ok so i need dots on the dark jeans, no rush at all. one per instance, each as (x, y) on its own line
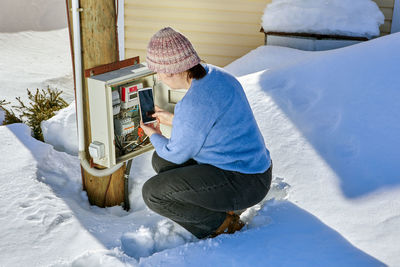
(197, 196)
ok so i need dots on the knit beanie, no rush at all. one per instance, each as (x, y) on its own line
(171, 52)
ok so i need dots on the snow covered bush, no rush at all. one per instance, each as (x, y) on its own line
(42, 106)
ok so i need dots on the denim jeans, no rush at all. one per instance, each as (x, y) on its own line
(197, 196)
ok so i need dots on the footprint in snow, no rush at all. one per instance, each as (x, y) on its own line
(257, 215)
(146, 241)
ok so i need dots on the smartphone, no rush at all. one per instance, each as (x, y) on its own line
(146, 104)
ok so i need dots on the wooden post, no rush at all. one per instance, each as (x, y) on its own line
(99, 47)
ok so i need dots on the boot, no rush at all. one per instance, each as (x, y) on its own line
(231, 224)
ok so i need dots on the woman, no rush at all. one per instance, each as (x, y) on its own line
(216, 161)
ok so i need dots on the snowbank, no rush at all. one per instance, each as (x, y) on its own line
(32, 15)
(360, 18)
(335, 139)
(61, 132)
(265, 58)
(345, 102)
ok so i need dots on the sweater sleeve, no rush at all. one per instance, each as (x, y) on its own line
(191, 125)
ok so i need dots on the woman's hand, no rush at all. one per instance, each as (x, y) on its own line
(163, 116)
(150, 128)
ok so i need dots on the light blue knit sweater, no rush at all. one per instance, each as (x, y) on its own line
(214, 124)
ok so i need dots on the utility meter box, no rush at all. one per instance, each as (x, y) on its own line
(114, 113)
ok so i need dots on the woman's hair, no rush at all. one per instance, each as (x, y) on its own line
(197, 72)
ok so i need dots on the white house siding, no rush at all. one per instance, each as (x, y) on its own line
(221, 31)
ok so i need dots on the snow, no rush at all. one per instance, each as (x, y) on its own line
(330, 120)
(266, 57)
(2, 115)
(336, 117)
(60, 130)
(34, 15)
(35, 60)
(359, 18)
(42, 203)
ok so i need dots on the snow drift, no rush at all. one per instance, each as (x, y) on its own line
(60, 130)
(360, 18)
(345, 102)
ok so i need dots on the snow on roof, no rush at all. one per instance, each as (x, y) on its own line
(359, 18)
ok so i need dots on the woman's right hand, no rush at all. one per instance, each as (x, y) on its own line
(163, 117)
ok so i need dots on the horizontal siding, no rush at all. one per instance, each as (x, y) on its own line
(193, 14)
(386, 6)
(192, 26)
(387, 12)
(199, 38)
(221, 31)
(385, 3)
(212, 5)
(223, 61)
(204, 48)
(385, 28)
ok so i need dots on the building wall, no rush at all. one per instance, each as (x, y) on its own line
(386, 7)
(220, 30)
(396, 17)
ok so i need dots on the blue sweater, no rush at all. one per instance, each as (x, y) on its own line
(214, 124)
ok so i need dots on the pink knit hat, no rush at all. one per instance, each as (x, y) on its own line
(171, 52)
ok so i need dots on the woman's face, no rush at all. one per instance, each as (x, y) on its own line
(174, 81)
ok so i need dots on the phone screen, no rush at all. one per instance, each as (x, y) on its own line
(146, 103)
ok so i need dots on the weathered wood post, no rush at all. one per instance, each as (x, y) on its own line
(99, 47)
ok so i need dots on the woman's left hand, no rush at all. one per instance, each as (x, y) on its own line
(151, 128)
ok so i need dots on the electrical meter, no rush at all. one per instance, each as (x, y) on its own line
(129, 95)
(114, 113)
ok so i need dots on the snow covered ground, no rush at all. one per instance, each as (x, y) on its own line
(32, 15)
(31, 60)
(330, 120)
